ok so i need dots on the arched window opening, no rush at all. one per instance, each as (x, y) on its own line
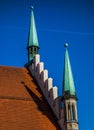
(73, 112)
(69, 112)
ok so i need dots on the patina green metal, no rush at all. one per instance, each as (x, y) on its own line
(32, 39)
(33, 45)
(68, 82)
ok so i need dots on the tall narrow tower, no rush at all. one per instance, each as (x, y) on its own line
(69, 95)
(33, 45)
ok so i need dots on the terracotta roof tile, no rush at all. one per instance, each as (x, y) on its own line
(22, 105)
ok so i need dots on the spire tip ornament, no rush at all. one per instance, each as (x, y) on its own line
(66, 45)
(32, 7)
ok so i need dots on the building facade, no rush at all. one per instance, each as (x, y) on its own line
(28, 99)
(66, 115)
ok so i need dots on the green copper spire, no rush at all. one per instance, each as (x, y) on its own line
(68, 82)
(33, 45)
(33, 39)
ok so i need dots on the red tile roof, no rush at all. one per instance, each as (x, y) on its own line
(22, 105)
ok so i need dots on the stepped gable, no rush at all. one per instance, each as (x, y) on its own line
(22, 105)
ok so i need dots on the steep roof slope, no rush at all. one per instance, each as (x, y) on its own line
(22, 105)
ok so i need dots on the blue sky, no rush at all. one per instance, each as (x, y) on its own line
(57, 22)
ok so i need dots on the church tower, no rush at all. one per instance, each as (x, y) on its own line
(33, 45)
(69, 96)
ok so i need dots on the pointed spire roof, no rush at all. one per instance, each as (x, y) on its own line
(68, 82)
(32, 38)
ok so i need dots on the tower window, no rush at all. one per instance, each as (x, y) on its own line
(73, 112)
(35, 50)
(69, 112)
(30, 50)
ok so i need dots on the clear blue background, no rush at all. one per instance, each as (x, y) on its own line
(57, 22)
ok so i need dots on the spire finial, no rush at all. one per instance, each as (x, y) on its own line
(31, 7)
(66, 45)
